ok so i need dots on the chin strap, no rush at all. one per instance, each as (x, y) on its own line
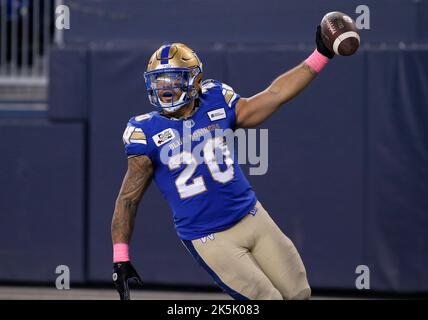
(195, 107)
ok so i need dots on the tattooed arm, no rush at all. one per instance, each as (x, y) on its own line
(135, 183)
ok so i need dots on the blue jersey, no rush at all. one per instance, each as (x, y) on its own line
(207, 193)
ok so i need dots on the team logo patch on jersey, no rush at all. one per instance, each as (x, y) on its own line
(217, 114)
(205, 239)
(253, 212)
(163, 137)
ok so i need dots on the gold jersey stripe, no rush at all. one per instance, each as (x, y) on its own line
(138, 136)
(228, 95)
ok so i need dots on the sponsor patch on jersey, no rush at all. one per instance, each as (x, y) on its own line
(143, 117)
(163, 137)
(217, 114)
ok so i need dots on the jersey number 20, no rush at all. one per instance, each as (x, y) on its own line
(197, 185)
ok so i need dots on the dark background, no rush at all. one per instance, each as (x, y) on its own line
(348, 158)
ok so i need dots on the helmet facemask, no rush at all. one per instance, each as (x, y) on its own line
(169, 89)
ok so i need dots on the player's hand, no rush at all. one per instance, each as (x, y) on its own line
(122, 273)
(321, 46)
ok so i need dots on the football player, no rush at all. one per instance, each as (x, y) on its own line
(216, 213)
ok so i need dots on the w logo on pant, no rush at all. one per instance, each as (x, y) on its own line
(204, 239)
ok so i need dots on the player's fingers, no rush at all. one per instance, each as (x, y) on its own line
(138, 280)
(134, 275)
(124, 293)
(122, 288)
(318, 34)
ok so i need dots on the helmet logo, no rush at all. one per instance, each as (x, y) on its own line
(163, 66)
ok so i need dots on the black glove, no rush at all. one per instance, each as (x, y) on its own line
(122, 272)
(321, 46)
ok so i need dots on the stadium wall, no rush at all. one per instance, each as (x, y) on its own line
(347, 178)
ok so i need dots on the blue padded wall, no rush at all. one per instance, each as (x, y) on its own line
(273, 21)
(41, 200)
(68, 69)
(397, 157)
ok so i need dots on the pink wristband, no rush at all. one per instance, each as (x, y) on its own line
(316, 61)
(120, 252)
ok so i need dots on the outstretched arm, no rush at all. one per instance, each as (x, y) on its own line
(135, 183)
(251, 112)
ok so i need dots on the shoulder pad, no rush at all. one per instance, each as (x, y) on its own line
(143, 117)
(228, 93)
(209, 84)
(134, 135)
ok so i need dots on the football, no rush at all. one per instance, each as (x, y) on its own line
(339, 33)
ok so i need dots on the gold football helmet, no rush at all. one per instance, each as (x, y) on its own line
(173, 77)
